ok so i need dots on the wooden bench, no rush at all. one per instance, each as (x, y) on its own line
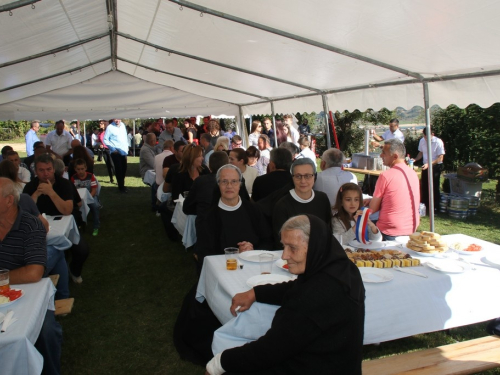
(54, 278)
(64, 306)
(466, 357)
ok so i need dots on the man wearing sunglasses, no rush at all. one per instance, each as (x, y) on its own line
(302, 199)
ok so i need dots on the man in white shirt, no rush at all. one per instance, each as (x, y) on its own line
(392, 132)
(437, 149)
(32, 137)
(171, 132)
(332, 176)
(58, 142)
(23, 174)
(305, 151)
(168, 149)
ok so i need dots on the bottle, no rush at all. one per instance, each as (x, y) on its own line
(407, 159)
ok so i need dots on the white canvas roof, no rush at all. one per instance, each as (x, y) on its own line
(106, 58)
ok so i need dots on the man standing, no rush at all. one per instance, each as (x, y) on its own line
(24, 253)
(170, 132)
(32, 137)
(268, 130)
(208, 148)
(302, 199)
(392, 133)
(116, 140)
(106, 154)
(332, 176)
(58, 143)
(147, 155)
(437, 149)
(396, 194)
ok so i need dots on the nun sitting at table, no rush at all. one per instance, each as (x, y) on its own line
(232, 221)
(319, 327)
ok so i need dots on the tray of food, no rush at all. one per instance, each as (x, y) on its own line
(427, 243)
(381, 259)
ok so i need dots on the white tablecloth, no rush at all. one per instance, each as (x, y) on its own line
(63, 233)
(185, 224)
(406, 306)
(17, 352)
(87, 199)
(150, 177)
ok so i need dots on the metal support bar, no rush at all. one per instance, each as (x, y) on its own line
(17, 4)
(54, 75)
(325, 110)
(84, 135)
(291, 83)
(192, 79)
(55, 50)
(274, 125)
(429, 156)
(113, 26)
(133, 137)
(242, 121)
(298, 38)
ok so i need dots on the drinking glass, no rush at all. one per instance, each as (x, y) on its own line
(266, 263)
(231, 258)
(4, 280)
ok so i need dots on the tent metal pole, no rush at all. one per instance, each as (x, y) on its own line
(17, 4)
(243, 127)
(325, 110)
(192, 79)
(53, 51)
(84, 135)
(133, 137)
(54, 75)
(274, 125)
(429, 156)
(257, 74)
(298, 38)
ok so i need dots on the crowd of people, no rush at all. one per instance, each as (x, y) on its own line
(268, 196)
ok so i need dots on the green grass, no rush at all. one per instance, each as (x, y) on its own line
(135, 280)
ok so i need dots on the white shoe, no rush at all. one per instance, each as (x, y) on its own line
(76, 280)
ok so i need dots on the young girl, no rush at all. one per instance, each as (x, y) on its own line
(348, 207)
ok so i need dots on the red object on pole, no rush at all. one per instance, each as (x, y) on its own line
(332, 124)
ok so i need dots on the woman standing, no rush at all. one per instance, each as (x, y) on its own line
(253, 138)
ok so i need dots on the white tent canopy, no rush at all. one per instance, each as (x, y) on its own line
(59, 59)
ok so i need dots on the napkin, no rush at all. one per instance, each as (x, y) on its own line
(8, 320)
(180, 199)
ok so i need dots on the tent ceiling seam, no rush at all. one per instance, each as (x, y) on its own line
(224, 101)
(149, 31)
(57, 74)
(297, 38)
(74, 30)
(191, 79)
(130, 37)
(53, 51)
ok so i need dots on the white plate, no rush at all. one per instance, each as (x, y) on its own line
(369, 246)
(493, 260)
(253, 255)
(375, 275)
(410, 251)
(280, 263)
(267, 279)
(403, 240)
(463, 252)
(11, 302)
(446, 266)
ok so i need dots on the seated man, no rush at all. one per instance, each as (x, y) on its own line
(147, 155)
(23, 174)
(38, 149)
(310, 334)
(302, 199)
(231, 220)
(54, 196)
(278, 176)
(332, 177)
(24, 253)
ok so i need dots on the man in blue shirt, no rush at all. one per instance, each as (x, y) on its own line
(32, 137)
(116, 140)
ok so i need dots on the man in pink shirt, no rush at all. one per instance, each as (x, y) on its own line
(397, 194)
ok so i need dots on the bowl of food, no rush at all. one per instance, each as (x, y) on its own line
(466, 248)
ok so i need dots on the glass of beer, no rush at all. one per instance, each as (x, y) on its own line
(4, 280)
(266, 263)
(231, 258)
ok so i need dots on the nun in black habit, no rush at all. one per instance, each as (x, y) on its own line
(319, 327)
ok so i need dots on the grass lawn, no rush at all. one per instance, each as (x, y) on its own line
(135, 280)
